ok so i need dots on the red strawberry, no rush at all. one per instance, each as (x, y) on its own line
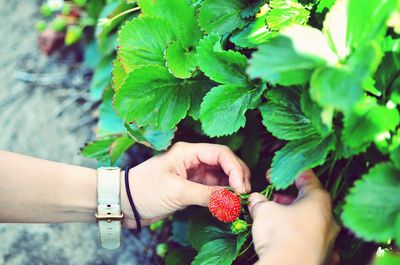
(225, 205)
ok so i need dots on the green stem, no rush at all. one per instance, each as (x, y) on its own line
(123, 14)
(246, 248)
(267, 192)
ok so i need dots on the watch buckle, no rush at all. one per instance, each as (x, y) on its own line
(109, 217)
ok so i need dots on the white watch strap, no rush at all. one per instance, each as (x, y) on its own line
(109, 214)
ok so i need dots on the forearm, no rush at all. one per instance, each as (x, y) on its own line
(35, 191)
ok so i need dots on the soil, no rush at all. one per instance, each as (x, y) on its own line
(45, 111)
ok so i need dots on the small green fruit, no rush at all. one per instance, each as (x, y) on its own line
(162, 249)
(45, 10)
(58, 24)
(157, 225)
(74, 34)
(66, 10)
(239, 226)
(41, 26)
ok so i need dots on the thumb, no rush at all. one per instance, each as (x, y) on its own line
(198, 194)
(255, 199)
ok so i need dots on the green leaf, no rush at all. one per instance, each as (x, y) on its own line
(283, 117)
(252, 35)
(150, 137)
(180, 232)
(118, 75)
(395, 157)
(373, 204)
(197, 92)
(320, 118)
(387, 76)
(224, 107)
(371, 23)
(368, 122)
(324, 5)
(250, 151)
(180, 17)
(204, 228)
(257, 32)
(290, 58)
(397, 230)
(181, 63)
(285, 13)
(221, 16)
(221, 251)
(225, 67)
(180, 256)
(119, 147)
(101, 78)
(108, 123)
(335, 28)
(347, 28)
(107, 151)
(143, 41)
(150, 95)
(298, 156)
(99, 150)
(365, 60)
(388, 259)
(334, 87)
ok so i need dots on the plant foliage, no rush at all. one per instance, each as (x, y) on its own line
(322, 77)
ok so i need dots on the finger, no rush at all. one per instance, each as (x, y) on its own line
(283, 198)
(197, 194)
(268, 174)
(222, 156)
(246, 175)
(335, 259)
(307, 182)
(255, 199)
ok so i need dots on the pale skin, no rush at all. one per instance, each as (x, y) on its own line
(40, 191)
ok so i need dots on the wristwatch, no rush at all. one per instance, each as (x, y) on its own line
(109, 215)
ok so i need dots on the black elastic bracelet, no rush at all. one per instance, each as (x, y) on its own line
(128, 192)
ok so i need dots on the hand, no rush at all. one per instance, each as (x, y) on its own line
(301, 232)
(185, 175)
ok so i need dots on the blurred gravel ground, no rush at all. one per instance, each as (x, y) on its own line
(46, 116)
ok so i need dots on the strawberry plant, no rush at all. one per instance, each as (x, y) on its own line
(287, 84)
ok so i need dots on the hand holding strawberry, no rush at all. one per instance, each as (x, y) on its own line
(185, 175)
(285, 227)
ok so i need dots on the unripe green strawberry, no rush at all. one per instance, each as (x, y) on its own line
(157, 225)
(58, 24)
(225, 205)
(41, 26)
(45, 10)
(74, 34)
(66, 10)
(239, 226)
(162, 249)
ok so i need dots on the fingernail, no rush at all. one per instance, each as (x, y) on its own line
(268, 175)
(255, 198)
(304, 177)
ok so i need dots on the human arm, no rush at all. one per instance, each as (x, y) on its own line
(302, 232)
(40, 191)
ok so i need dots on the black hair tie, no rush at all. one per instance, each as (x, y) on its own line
(128, 192)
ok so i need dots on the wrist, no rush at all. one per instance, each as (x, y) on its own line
(78, 200)
(125, 205)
